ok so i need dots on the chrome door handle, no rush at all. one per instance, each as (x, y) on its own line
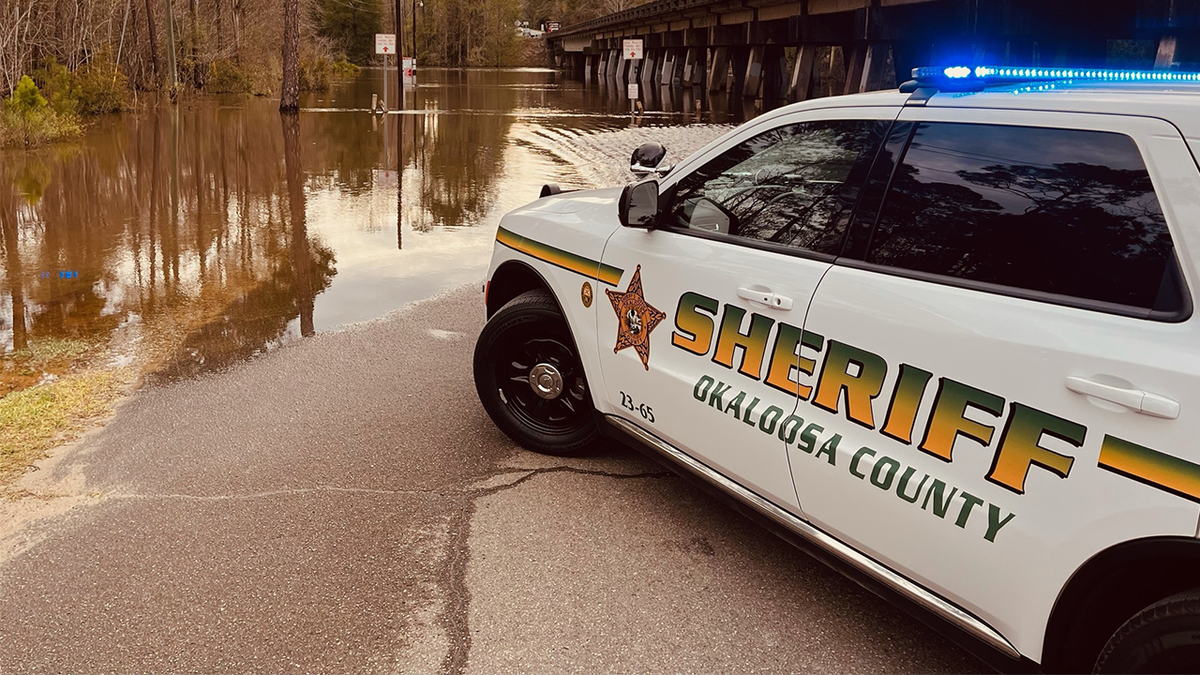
(764, 296)
(1134, 399)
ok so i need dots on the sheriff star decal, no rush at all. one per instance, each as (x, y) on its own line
(636, 318)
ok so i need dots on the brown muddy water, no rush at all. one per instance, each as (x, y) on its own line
(184, 238)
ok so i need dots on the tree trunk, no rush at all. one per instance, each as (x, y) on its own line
(197, 68)
(173, 72)
(237, 31)
(153, 37)
(220, 29)
(289, 99)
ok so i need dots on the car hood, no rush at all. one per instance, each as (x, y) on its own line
(577, 201)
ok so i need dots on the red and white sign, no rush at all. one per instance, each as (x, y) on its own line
(632, 49)
(385, 43)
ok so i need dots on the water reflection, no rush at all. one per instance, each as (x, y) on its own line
(189, 237)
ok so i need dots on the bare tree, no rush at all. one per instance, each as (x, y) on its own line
(173, 75)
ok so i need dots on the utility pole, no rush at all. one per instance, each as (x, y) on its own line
(400, 51)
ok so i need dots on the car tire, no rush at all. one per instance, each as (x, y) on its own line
(548, 411)
(1162, 638)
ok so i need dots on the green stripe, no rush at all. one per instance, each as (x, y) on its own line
(1163, 471)
(560, 258)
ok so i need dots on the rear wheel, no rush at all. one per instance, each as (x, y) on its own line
(530, 379)
(1163, 638)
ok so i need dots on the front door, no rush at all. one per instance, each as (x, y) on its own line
(702, 344)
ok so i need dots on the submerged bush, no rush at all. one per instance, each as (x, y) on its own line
(227, 77)
(314, 74)
(96, 88)
(343, 68)
(102, 87)
(59, 86)
(27, 118)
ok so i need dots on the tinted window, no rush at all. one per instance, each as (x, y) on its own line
(787, 186)
(1052, 210)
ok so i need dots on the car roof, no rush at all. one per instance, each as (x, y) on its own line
(1175, 102)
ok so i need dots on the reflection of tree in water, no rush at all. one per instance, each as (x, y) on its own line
(177, 225)
(1071, 228)
(449, 161)
(460, 155)
(251, 323)
(178, 220)
(461, 160)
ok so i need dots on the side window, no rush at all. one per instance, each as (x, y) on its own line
(1066, 212)
(790, 186)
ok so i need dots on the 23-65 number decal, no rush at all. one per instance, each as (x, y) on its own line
(642, 409)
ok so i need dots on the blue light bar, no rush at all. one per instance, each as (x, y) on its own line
(1003, 74)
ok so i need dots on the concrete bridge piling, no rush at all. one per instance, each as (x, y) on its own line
(789, 50)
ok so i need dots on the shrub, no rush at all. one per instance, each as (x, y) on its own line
(343, 68)
(97, 88)
(26, 99)
(59, 85)
(265, 76)
(314, 74)
(102, 87)
(27, 118)
(227, 77)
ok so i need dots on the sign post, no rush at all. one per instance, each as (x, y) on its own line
(632, 51)
(385, 43)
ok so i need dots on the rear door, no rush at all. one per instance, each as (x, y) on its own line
(1009, 373)
(701, 342)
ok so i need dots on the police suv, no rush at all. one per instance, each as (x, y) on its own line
(942, 337)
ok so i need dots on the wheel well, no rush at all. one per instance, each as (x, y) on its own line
(510, 280)
(1108, 590)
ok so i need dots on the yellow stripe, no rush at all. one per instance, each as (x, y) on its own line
(1152, 467)
(560, 258)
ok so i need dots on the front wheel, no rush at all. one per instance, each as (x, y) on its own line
(530, 379)
(1163, 638)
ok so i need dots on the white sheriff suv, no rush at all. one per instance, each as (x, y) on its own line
(942, 338)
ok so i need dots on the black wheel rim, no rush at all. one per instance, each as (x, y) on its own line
(563, 413)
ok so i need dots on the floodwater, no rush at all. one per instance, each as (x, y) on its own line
(184, 238)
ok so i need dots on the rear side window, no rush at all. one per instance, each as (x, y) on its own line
(1058, 211)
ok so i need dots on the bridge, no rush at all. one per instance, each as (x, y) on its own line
(798, 49)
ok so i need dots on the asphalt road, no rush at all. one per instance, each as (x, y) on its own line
(345, 505)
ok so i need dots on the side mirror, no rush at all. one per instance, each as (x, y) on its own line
(638, 206)
(646, 160)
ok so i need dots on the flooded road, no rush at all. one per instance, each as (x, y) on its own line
(186, 238)
(346, 505)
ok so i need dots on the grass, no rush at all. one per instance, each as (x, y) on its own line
(47, 351)
(35, 420)
(24, 368)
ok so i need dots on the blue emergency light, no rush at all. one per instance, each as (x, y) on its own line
(979, 76)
